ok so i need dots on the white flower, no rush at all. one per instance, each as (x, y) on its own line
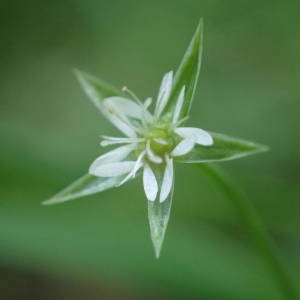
(152, 141)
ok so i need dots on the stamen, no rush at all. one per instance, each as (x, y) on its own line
(132, 94)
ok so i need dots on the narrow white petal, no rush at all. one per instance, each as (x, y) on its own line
(167, 180)
(139, 163)
(150, 183)
(125, 107)
(178, 106)
(137, 166)
(122, 125)
(184, 147)
(152, 156)
(199, 136)
(147, 115)
(164, 93)
(161, 141)
(118, 138)
(147, 102)
(112, 156)
(113, 169)
(110, 140)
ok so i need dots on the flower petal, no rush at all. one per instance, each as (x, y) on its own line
(137, 166)
(197, 135)
(160, 141)
(152, 156)
(167, 182)
(113, 169)
(178, 106)
(111, 140)
(164, 93)
(126, 107)
(112, 156)
(150, 183)
(123, 126)
(184, 147)
(146, 114)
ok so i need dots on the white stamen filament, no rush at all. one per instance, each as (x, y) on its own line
(132, 94)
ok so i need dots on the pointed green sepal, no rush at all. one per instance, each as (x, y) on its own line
(187, 74)
(84, 186)
(224, 148)
(96, 89)
(158, 215)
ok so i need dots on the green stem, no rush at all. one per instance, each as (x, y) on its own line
(257, 230)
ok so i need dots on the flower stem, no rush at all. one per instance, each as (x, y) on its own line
(256, 229)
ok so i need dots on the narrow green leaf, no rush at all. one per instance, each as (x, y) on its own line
(84, 186)
(223, 148)
(158, 215)
(96, 89)
(188, 73)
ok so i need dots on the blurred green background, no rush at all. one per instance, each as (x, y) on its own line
(99, 247)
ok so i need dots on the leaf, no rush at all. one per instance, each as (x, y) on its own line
(84, 186)
(224, 148)
(96, 89)
(187, 73)
(158, 215)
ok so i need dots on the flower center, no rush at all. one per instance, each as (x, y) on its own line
(161, 141)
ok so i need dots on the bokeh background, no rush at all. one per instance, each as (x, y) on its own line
(99, 247)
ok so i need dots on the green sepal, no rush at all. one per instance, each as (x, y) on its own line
(224, 148)
(158, 216)
(84, 186)
(187, 74)
(96, 89)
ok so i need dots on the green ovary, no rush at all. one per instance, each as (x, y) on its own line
(161, 141)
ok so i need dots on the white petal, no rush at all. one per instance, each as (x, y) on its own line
(167, 182)
(112, 156)
(199, 136)
(164, 93)
(137, 166)
(113, 169)
(147, 102)
(147, 115)
(184, 147)
(150, 183)
(110, 140)
(161, 141)
(138, 163)
(125, 107)
(178, 106)
(122, 125)
(152, 156)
